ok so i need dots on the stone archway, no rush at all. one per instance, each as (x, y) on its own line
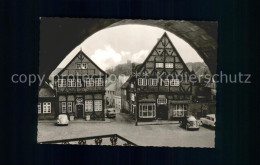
(61, 35)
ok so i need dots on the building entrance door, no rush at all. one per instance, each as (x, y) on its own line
(162, 112)
(80, 111)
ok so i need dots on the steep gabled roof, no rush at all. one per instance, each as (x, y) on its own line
(155, 46)
(45, 91)
(82, 53)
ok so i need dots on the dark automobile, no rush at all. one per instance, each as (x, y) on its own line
(190, 123)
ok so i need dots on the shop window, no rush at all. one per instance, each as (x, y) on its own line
(178, 110)
(88, 105)
(147, 110)
(69, 107)
(98, 105)
(46, 107)
(63, 107)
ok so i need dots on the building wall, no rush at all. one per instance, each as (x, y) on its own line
(54, 108)
(92, 97)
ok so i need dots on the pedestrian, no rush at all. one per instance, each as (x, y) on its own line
(68, 115)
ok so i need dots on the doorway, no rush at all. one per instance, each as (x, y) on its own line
(162, 112)
(80, 111)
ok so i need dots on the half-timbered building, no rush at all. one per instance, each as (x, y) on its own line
(80, 88)
(160, 87)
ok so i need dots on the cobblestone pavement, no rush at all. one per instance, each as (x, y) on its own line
(147, 135)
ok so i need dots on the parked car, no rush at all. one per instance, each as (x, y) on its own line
(190, 122)
(63, 119)
(209, 120)
(111, 112)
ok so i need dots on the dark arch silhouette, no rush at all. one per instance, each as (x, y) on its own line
(59, 36)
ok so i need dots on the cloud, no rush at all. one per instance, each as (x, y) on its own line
(106, 58)
(140, 56)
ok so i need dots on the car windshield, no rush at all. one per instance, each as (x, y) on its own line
(193, 122)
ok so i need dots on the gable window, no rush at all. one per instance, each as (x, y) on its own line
(63, 107)
(88, 105)
(61, 82)
(147, 110)
(89, 82)
(159, 65)
(46, 107)
(98, 105)
(84, 66)
(174, 82)
(162, 101)
(71, 83)
(153, 82)
(168, 65)
(99, 82)
(39, 107)
(142, 81)
(78, 65)
(69, 106)
(79, 83)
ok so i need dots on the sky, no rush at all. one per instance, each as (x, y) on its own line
(115, 45)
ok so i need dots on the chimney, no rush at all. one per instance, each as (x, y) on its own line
(133, 68)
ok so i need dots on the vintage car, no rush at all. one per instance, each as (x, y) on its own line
(62, 119)
(189, 122)
(209, 120)
(111, 113)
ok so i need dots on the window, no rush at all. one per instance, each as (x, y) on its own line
(99, 82)
(168, 65)
(63, 107)
(39, 108)
(153, 82)
(166, 82)
(175, 82)
(79, 83)
(179, 109)
(89, 82)
(162, 101)
(61, 82)
(124, 92)
(98, 105)
(46, 107)
(88, 105)
(71, 83)
(147, 110)
(78, 65)
(69, 106)
(159, 65)
(142, 81)
(84, 66)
